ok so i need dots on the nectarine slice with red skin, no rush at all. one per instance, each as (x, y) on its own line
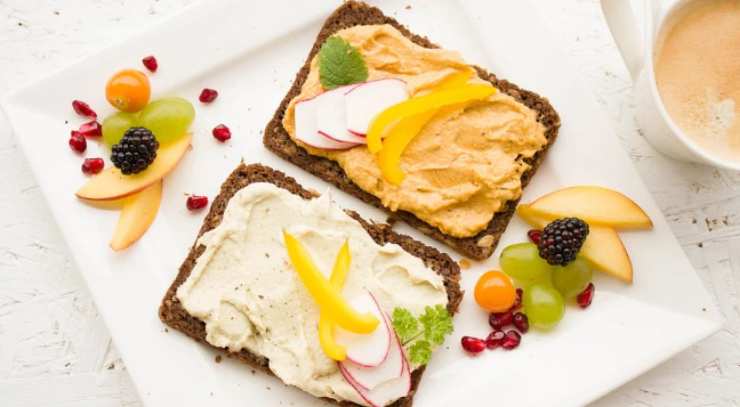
(137, 214)
(111, 184)
(603, 247)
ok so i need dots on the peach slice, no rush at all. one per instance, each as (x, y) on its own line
(596, 205)
(603, 247)
(112, 184)
(137, 214)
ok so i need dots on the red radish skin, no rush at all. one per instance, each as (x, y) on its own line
(374, 397)
(368, 99)
(357, 344)
(306, 128)
(331, 115)
(391, 368)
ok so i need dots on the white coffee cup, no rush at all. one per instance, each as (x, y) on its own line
(639, 54)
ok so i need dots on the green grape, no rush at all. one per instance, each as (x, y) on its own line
(115, 125)
(543, 305)
(523, 263)
(572, 279)
(167, 118)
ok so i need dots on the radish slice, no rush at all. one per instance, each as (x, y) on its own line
(306, 127)
(365, 101)
(386, 392)
(371, 377)
(331, 116)
(371, 349)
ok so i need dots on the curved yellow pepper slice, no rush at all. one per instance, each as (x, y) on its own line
(326, 326)
(326, 296)
(416, 105)
(389, 157)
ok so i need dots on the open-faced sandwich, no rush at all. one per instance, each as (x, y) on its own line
(404, 125)
(286, 281)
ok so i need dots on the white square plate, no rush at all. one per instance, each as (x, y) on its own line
(250, 52)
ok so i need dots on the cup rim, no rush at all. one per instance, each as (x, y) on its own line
(653, 35)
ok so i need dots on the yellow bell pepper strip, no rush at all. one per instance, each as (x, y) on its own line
(339, 272)
(326, 296)
(389, 157)
(416, 105)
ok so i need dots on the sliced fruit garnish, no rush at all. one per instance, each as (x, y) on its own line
(112, 184)
(137, 214)
(603, 247)
(326, 326)
(422, 104)
(596, 205)
(327, 297)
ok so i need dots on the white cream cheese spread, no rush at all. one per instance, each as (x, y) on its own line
(246, 291)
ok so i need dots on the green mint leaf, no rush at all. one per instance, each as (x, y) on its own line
(340, 64)
(420, 352)
(405, 324)
(437, 323)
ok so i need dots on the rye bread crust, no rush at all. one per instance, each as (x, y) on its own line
(175, 316)
(276, 139)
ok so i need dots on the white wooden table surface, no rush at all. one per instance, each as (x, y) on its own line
(55, 349)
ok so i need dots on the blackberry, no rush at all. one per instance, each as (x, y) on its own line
(561, 240)
(136, 150)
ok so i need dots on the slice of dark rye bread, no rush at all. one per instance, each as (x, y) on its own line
(175, 316)
(276, 139)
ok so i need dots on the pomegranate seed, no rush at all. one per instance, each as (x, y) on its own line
(511, 340)
(521, 322)
(518, 301)
(150, 63)
(83, 109)
(584, 298)
(196, 202)
(221, 133)
(92, 165)
(77, 142)
(534, 235)
(473, 345)
(91, 129)
(494, 339)
(498, 320)
(208, 95)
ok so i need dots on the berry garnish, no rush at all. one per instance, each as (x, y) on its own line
(499, 320)
(584, 299)
(221, 133)
(150, 63)
(494, 339)
(494, 291)
(92, 165)
(511, 340)
(136, 150)
(472, 345)
(91, 129)
(128, 90)
(208, 95)
(534, 235)
(561, 240)
(77, 142)
(83, 109)
(196, 202)
(521, 322)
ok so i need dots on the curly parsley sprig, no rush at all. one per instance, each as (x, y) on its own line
(428, 330)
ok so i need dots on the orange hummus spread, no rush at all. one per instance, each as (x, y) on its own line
(464, 165)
